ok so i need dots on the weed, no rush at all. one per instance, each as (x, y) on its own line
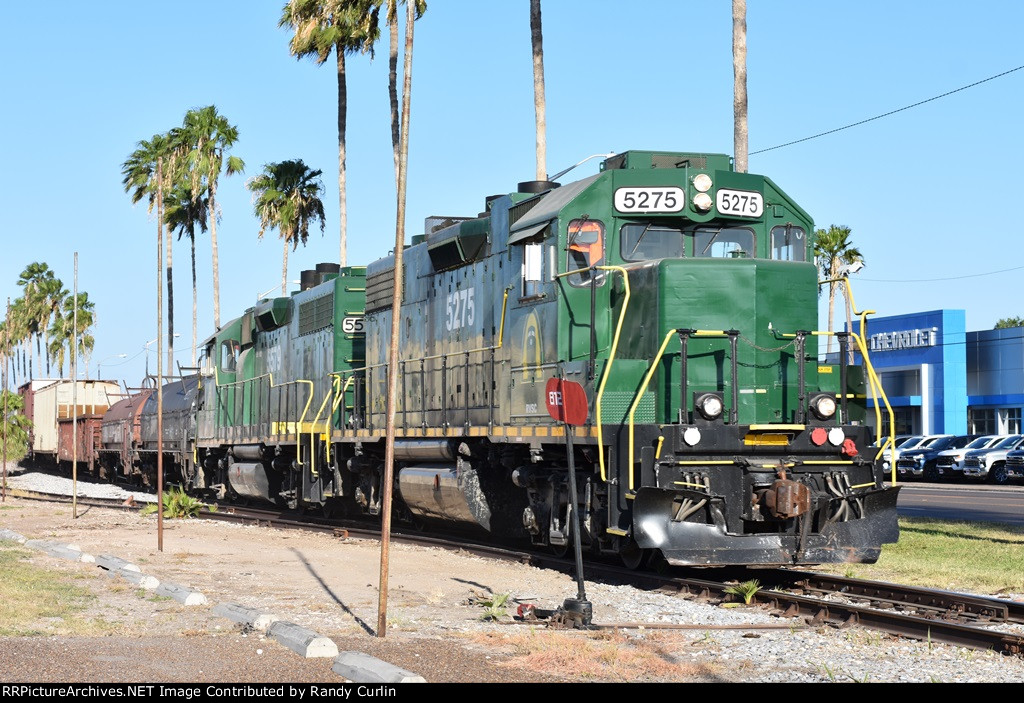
(495, 606)
(828, 672)
(864, 679)
(178, 504)
(932, 678)
(746, 590)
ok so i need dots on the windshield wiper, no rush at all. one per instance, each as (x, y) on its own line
(713, 238)
(640, 238)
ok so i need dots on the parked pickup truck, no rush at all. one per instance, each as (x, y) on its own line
(990, 463)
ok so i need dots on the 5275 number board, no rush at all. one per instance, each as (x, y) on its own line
(649, 199)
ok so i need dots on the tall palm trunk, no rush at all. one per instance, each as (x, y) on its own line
(342, 119)
(170, 305)
(284, 270)
(195, 300)
(393, 80)
(539, 104)
(213, 245)
(739, 77)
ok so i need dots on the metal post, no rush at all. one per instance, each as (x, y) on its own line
(74, 399)
(159, 364)
(6, 419)
(580, 604)
(396, 303)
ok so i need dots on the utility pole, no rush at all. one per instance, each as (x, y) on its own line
(396, 331)
(739, 83)
(74, 400)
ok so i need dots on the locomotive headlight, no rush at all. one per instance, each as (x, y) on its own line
(709, 405)
(702, 202)
(702, 182)
(823, 406)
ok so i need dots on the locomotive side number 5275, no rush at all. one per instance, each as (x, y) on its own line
(460, 309)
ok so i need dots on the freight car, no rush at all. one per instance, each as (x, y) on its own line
(50, 405)
(682, 296)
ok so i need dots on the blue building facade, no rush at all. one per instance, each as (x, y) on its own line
(941, 379)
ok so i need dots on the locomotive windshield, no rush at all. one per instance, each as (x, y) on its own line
(643, 242)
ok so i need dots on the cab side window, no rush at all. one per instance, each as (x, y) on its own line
(585, 250)
(229, 356)
(788, 243)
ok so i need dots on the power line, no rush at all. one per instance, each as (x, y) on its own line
(891, 112)
(943, 278)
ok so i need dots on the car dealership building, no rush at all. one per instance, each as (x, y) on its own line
(942, 379)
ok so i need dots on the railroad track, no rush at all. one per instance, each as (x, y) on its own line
(822, 599)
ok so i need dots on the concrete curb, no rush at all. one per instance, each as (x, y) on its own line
(302, 641)
(138, 579)
(185, 596)
(362, 668)
(112, 563)
(12, 536)
(248, 616)
(71, 552)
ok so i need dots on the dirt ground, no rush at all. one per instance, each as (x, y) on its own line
(325, 583)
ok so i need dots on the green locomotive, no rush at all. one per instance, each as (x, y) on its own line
(681, 294)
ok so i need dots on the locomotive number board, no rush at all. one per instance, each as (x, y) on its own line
(665, 199)
(743, 203)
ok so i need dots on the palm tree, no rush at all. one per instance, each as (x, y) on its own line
(739, 83)
(205, 137)
(344, 27)
(157, 157)
(833, 250)
(20, 335)
(286, 197)
(539, 105)
(184, 212)
(63, 334)
(54, 292)
(33, 280)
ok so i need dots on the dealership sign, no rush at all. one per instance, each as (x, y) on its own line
(904, 339)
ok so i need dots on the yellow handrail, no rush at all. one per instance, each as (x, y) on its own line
(608, 367)
(640, 395)
(873, 380)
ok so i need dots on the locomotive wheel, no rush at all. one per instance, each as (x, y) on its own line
(632, 555)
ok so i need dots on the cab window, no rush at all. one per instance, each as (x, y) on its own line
(788, 243)
(585, 250)
(646, 241)
(229, 356)
(723, 242)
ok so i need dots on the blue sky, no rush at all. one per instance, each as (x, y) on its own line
(930, 193)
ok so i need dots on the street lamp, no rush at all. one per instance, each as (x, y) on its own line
(153, 341)
(99, 364)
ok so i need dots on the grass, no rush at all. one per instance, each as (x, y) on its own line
(978, 558)
(38, 601)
